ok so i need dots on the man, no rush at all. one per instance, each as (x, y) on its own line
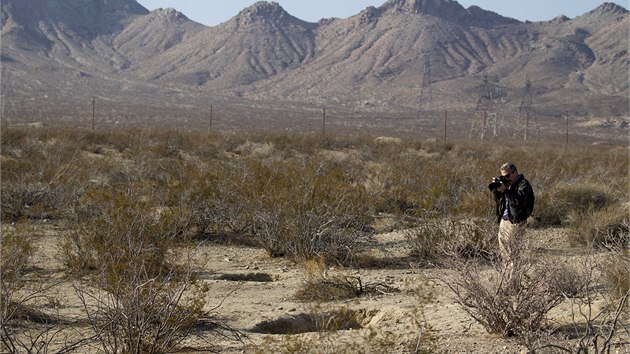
(515, 203)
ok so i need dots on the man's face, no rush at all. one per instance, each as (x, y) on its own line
(511, 176)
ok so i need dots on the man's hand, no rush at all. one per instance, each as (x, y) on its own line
(501, 188)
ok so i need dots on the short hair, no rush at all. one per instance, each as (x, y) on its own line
(508, 166)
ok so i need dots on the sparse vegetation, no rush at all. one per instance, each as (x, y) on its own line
(513, 300)
(126, 206)
(322, 284)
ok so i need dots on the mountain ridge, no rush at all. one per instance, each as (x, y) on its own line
(376, 56)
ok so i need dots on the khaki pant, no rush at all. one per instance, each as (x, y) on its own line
(512, 242)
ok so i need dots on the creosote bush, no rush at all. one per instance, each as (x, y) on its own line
(144, 296)
(434, 240)
(513, 299)
(121, 227)
(16, 249)
(305, 210)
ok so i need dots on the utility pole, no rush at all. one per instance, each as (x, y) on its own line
(93, 113)
(324, 122)
(445, 119)
(566, 113)
(2, 109)
(210, 123)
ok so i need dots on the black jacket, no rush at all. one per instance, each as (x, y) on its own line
(520, 201)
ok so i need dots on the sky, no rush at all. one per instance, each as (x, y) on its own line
(214, 12)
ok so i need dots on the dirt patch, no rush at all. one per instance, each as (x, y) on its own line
(256, 296)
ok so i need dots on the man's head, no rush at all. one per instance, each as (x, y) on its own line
(509, 170)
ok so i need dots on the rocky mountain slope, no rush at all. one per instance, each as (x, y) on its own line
(378, 58)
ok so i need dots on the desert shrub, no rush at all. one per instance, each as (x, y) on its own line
(512, 306)
(599, 311)
(426, 237)
(23, 328)
(433, 240)
(600, 227)
(119, 227)
(617, 274)
(22, 199)
(143, 296)
(17, 249)
(214, 199)
(555, 206)
(133, 312)
(407, 185)
(40, 179)
(305, 210)
(616, 266)
(513, 299)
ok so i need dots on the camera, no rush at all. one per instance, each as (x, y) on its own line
(497, 182)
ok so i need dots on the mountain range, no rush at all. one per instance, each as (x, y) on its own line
(403, 55)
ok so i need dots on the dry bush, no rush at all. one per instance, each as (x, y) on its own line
(513, 299)
(38, 176)
(139, 298)
(133, 309)
(23, 327)
(322, 284)
(616, 265)
(214, 199)
(305, 210)
(609, 225)
(598, 314)
(564, 200)
(16, 252)
(434, 240)
(116, 227)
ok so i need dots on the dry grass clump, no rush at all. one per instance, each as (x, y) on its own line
(568, 199)
(609, 225)
(322, 284)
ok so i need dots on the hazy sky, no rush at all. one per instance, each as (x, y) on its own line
(213, 12)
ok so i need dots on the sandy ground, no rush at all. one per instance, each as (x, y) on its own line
(248, 288)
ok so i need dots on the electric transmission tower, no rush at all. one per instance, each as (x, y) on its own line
(426, 92)
(485, 114)
(526, 107)
(6, 97)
